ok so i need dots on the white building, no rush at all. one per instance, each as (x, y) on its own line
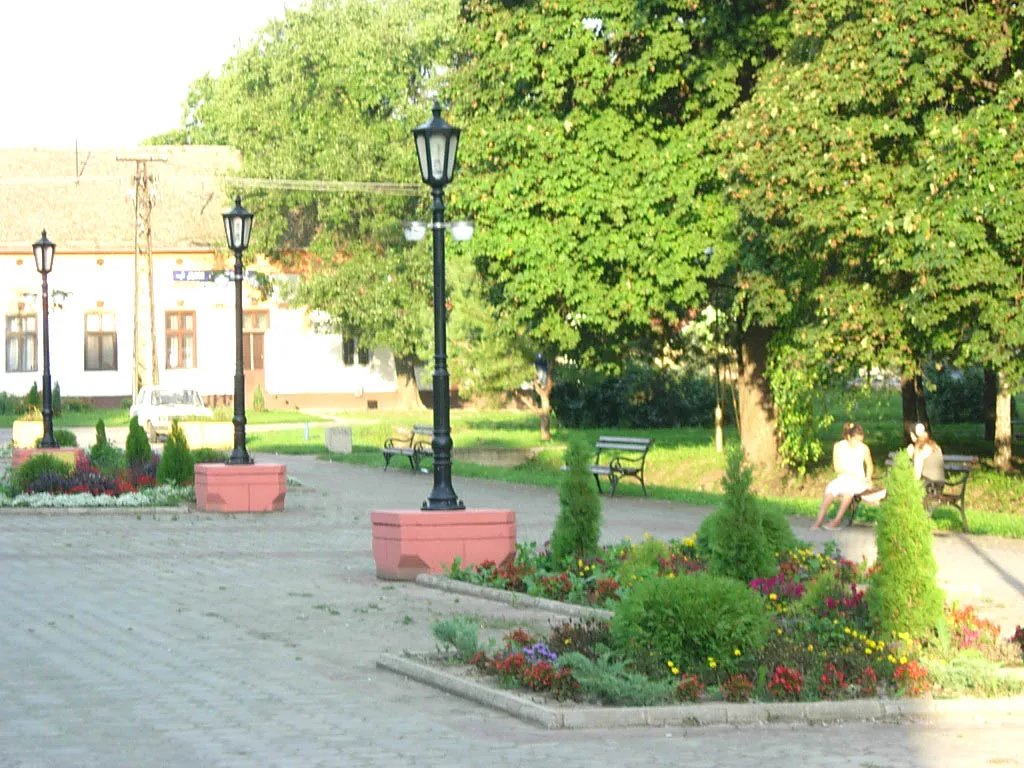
(85, 203)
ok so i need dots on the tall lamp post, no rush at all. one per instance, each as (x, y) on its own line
(43, 251)
(238, 226)
(436, 145)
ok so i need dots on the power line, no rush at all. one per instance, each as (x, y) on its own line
(307, 185)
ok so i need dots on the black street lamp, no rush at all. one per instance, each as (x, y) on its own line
(238, 226)
(43, 251)
(436, 144)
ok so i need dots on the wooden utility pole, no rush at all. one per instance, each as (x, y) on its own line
(146, 371)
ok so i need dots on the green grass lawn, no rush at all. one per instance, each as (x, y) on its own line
(683, 465)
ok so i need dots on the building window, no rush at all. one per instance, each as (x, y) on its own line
(100, 341)
(21, 343)
(254, 324)
(180, 328)
(351, 352)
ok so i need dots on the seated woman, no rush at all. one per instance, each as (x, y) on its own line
(851, 460)
(927, 456)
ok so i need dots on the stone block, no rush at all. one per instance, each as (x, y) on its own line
(338, 438)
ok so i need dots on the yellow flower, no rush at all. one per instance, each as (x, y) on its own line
(568, 641)
(903, 659)
(778, 631)
(810, 647)
(868, 651)
(892, 659)
(773, 596)
(736, 652)
(670, 664)
(647, 535)
(846, 630)
(712, 664)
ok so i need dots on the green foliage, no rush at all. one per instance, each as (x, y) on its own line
(777, 530)
(798, 383)
(55, 401)
(176, 463)
(737, 545)
(208, 456)
(970, 674)
(642, 560)
(33, 400)
(611, 682)
(65, 438)
(642, 395)
(136, 448)
(259, 403)
(29, 472)
(957, 397)
(904, 594)
(578, 525)
(461, 633)
(105, 457)
(688, 619)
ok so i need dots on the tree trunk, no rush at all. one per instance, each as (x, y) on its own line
(915, 410)
(1003, 452)
(544, 392)
(407, 396)
(756, 419)
(991, 387)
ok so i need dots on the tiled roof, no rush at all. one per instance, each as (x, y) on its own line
(87, 203)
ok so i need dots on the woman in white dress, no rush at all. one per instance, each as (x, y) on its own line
(851, 460)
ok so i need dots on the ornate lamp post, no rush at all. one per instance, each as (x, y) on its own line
(436, 145)
(238, 226)
(43, 251)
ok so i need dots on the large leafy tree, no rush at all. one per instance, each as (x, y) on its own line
(843, 188)
(330, 93)
(588, 165)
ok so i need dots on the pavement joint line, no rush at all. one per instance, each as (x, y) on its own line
(954, 711)
(513, 599)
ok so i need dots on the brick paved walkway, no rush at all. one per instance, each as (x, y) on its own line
(200, 640)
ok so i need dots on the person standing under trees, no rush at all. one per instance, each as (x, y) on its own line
(927, 455)
(851, 460)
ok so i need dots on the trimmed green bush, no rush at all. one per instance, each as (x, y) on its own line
(136, 448)
(688, 619)
(40, 464)
(65, 438)
(737, 544)
(904, 594)
(259, 403)
(101, 434)
(176, 464)
(578, 526)
(208, 456)
(55, 401)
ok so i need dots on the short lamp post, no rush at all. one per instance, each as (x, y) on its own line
(238, 226)
(43, 251)
(436, 145)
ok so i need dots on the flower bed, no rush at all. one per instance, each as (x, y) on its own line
(819, 642)
(158, 496)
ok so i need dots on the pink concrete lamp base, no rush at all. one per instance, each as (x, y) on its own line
(69, 455)
(240, 487)
(407, 543)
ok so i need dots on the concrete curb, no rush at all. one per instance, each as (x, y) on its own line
(514, 599)
(68, 511)
(959, 711)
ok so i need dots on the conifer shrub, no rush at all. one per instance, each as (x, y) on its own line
(108, 459)
(137, 452)
(610, 681)
(736, 542)
(689, 619)
(904, 594)
(55, 402)
(33, 401)
(778, 531)
(40, 464)
(578, 525)
(176, 464)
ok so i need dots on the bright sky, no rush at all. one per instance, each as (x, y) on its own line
(110, 73)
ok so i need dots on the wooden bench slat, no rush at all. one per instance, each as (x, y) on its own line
(413, 444)
(626, 457)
